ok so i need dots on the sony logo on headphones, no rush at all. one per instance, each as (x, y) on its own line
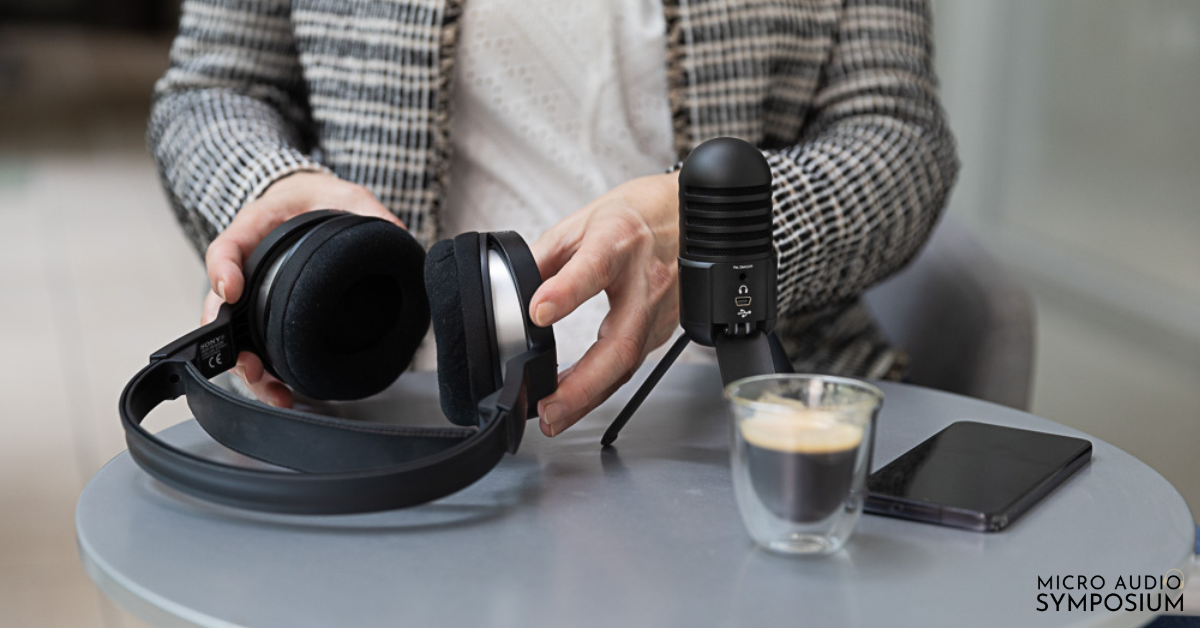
(212, 345)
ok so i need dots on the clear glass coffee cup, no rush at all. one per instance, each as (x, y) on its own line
(801, 451)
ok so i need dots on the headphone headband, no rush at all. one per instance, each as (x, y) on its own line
(396, 466)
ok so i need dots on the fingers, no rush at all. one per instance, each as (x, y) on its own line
(379, 211)
(272, 392)
(269, 390)
(605, 366)
(608, 364)
(287, 198)
(634, 327)
(618, 254)
(602, 256)
(212, 303)
(229, 251)
(224, 263)
(250, 367)
(554, 429)
(360, 201)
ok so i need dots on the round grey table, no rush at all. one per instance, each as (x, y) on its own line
(645, 534)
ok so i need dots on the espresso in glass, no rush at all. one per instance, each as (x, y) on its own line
(800, 453)
(801, 466)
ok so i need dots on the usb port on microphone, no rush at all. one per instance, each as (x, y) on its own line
(741, 301)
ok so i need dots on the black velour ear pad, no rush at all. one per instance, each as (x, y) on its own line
(466, 366)
(348, 309)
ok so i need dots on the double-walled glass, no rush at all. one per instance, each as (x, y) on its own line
(801, 451)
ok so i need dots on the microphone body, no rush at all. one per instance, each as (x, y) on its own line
(727, 267)
(727, 280)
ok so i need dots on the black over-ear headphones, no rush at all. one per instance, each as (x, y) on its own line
(335, 307)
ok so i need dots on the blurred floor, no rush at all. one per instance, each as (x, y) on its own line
(97, 274)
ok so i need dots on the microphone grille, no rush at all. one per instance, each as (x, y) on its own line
(724, 223)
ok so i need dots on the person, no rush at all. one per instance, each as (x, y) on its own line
(566, 121)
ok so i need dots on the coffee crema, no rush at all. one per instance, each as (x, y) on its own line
(801, 461)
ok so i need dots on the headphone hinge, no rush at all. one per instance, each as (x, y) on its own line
(212, 349)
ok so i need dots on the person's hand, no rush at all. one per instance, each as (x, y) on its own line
(286, 198)
(624, 243)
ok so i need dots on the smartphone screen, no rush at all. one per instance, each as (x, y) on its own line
(975, 475)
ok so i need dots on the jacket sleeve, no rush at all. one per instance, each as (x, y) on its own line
(229, 117)
(859, 194)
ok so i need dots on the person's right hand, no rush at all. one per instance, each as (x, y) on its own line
(286, 198)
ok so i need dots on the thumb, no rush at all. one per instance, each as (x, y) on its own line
(212, 303)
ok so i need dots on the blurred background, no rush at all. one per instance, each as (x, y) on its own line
(1081, 173)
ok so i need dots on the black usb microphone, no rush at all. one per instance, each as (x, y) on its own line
(727, 281)
(726, 260)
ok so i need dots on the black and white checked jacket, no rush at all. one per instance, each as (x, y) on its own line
(839, 95)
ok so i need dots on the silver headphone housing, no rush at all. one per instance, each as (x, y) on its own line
(509, 320)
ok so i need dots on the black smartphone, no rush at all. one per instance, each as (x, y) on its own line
(975, 475)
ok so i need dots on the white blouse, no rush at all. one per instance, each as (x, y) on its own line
(555, 103)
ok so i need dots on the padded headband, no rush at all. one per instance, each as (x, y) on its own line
(417, 464)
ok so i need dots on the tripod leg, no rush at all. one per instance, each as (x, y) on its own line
(779, 356)
(643, 391)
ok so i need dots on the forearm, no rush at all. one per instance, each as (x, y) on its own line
(216, 151)
(228, 118)
(858, 196)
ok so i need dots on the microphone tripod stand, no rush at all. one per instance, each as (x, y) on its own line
(757, 353)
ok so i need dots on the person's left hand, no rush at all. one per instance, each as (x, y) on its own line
(624, 243)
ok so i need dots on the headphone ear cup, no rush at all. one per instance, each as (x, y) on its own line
(466, 362)
(347, 310)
